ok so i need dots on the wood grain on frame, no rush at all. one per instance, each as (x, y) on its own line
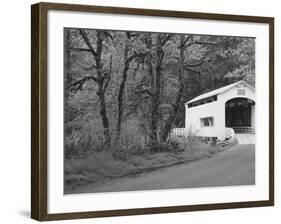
(39, 110)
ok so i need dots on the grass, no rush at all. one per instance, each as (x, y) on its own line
(98, 167)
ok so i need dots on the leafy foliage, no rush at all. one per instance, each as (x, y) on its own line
(124, 91)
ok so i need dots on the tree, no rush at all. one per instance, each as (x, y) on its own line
(245, 69)
(100, 75)
(175, 107)
(185, 67)
(153, 89)
(129, 57)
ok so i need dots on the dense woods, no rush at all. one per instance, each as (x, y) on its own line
(125, 91)
(132, 86)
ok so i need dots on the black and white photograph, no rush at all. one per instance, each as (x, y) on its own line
(152, 111)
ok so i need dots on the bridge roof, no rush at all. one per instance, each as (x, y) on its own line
(219, 91)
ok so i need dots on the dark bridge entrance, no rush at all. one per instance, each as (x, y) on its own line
(238, 113)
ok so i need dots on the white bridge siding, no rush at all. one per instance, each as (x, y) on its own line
(194, 114)
(216, 109)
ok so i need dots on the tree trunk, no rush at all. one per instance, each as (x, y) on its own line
(100, 79)
(67, 62)
(101, 91)
(103, 114)
(121, 93)
(169, 123)
(156, 86)
(153, 123)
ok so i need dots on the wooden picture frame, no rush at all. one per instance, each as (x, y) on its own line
(39, 110)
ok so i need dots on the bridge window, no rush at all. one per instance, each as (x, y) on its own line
(207, 122)
(203, 101)
(241, 92)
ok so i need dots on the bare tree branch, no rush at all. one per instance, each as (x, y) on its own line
(77, 85)
(164, 41)
(195, 64)
(136, 105)
(108, 75)
(135, 55)
(79, 49)
(184, 42)
(201, 43)
(85, 37)
(107, 34)
(191, 70)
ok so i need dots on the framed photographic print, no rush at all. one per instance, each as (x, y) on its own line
(139, 111)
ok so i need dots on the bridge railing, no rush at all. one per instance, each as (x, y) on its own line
(229, 137)
(244, 130)
(179, 132)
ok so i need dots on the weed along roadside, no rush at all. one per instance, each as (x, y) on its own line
(100, 167)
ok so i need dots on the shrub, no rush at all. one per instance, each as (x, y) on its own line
(130, 142)
(176, 146)
(161, 147)
(82, 137)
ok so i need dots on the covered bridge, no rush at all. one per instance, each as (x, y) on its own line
(215, 113)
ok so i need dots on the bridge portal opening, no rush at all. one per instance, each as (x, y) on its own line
(240, 113)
